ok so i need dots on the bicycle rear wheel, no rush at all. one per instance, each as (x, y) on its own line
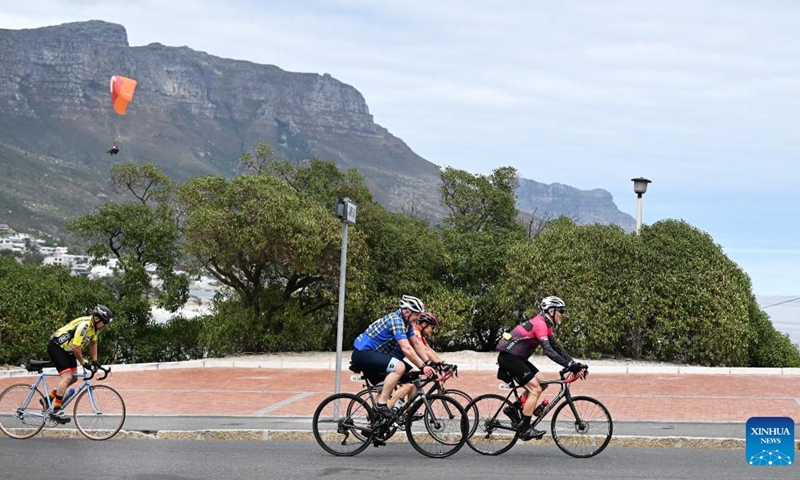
(493, 432)
(342, 425)
(437, 429)
(584, 432)
(20, 419)
(99, 412)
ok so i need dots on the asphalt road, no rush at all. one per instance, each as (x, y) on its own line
(232, 460)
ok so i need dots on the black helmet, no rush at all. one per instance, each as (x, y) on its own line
(103, 313)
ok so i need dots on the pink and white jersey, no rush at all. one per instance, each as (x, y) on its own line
(525, 337)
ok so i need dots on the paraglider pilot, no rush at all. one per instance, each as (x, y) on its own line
(113, 150)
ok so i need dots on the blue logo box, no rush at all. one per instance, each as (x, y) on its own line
(770, 441)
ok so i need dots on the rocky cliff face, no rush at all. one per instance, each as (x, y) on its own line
(192, 114)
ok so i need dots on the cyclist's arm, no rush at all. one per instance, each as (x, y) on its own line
(432, 355)
(413, 351)
(92, 351)
(552, 354)
(76, 350)
(560, 350)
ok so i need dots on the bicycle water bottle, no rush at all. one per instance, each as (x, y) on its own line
(522, 399)
(398, 405)
(70, 393)
(538, 410)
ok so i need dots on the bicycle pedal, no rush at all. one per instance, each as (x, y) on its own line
(378, 443)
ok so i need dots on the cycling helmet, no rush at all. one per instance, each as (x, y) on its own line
(428, 317)
(412, 303)
(103, 313)
(551, 302)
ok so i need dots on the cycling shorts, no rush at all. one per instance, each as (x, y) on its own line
(375, 365)
(521, 369)
(61, 359)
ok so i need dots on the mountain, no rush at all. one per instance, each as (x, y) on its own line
(194, 114)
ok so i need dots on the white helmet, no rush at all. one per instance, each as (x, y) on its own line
(551, 302)
(412, 303)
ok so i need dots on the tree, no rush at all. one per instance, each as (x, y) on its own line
(668, 294)
(277, 250)
(477, 234)
(141, 234)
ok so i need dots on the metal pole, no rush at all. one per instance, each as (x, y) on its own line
(340, 322)
(638, 212)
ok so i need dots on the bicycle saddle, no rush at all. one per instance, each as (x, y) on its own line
(37, 365)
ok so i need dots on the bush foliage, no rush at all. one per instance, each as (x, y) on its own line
(270, 237)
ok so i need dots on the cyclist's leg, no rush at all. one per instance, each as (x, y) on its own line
(378, 366)
(525, 374)
(66, 365)
(402, 391)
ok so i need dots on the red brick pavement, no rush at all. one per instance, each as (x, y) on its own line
(288, 392)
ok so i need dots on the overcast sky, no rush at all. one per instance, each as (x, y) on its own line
(703, 98)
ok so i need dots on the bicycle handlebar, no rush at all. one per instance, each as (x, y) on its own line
(569, 377)
(90, 373)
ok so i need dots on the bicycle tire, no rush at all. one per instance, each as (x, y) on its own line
(464, 399)
(584, 438)
(17, 419)
(438, 431)
(492, 431)
(348, 414)
(99, 412)
(387, 431)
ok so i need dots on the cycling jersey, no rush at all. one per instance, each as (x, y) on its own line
(418, 334)
(525, 337)
(77, 332)
(382, 335)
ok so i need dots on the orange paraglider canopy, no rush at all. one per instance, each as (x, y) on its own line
(122, 93)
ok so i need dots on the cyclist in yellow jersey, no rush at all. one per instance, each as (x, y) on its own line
(65, 349)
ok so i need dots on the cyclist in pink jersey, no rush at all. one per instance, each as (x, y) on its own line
(517, 346)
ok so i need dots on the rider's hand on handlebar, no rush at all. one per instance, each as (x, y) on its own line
(427, 369)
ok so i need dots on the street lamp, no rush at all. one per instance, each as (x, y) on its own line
(639, 187)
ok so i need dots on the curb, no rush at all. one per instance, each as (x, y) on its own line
(331, 366)
(249, 435)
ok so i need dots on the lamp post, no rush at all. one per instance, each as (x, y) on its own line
(346, 211)
(639, 187)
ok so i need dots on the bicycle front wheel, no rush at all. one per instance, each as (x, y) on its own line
(493, 431)
(464, 400)
(436, 426)
(99, 412)
(583, 428)
(342, 425)
(21, 418)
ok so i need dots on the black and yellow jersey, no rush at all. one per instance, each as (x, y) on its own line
(77, 332)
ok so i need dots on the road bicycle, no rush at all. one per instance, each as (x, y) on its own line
(581, 426)
(99, 410)
(445, 372)
(345, 424)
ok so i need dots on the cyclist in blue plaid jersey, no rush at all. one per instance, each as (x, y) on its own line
(379, 351)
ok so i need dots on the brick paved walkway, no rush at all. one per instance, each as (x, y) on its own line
(297, 392)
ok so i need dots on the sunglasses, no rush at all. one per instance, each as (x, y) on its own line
(560, 310)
